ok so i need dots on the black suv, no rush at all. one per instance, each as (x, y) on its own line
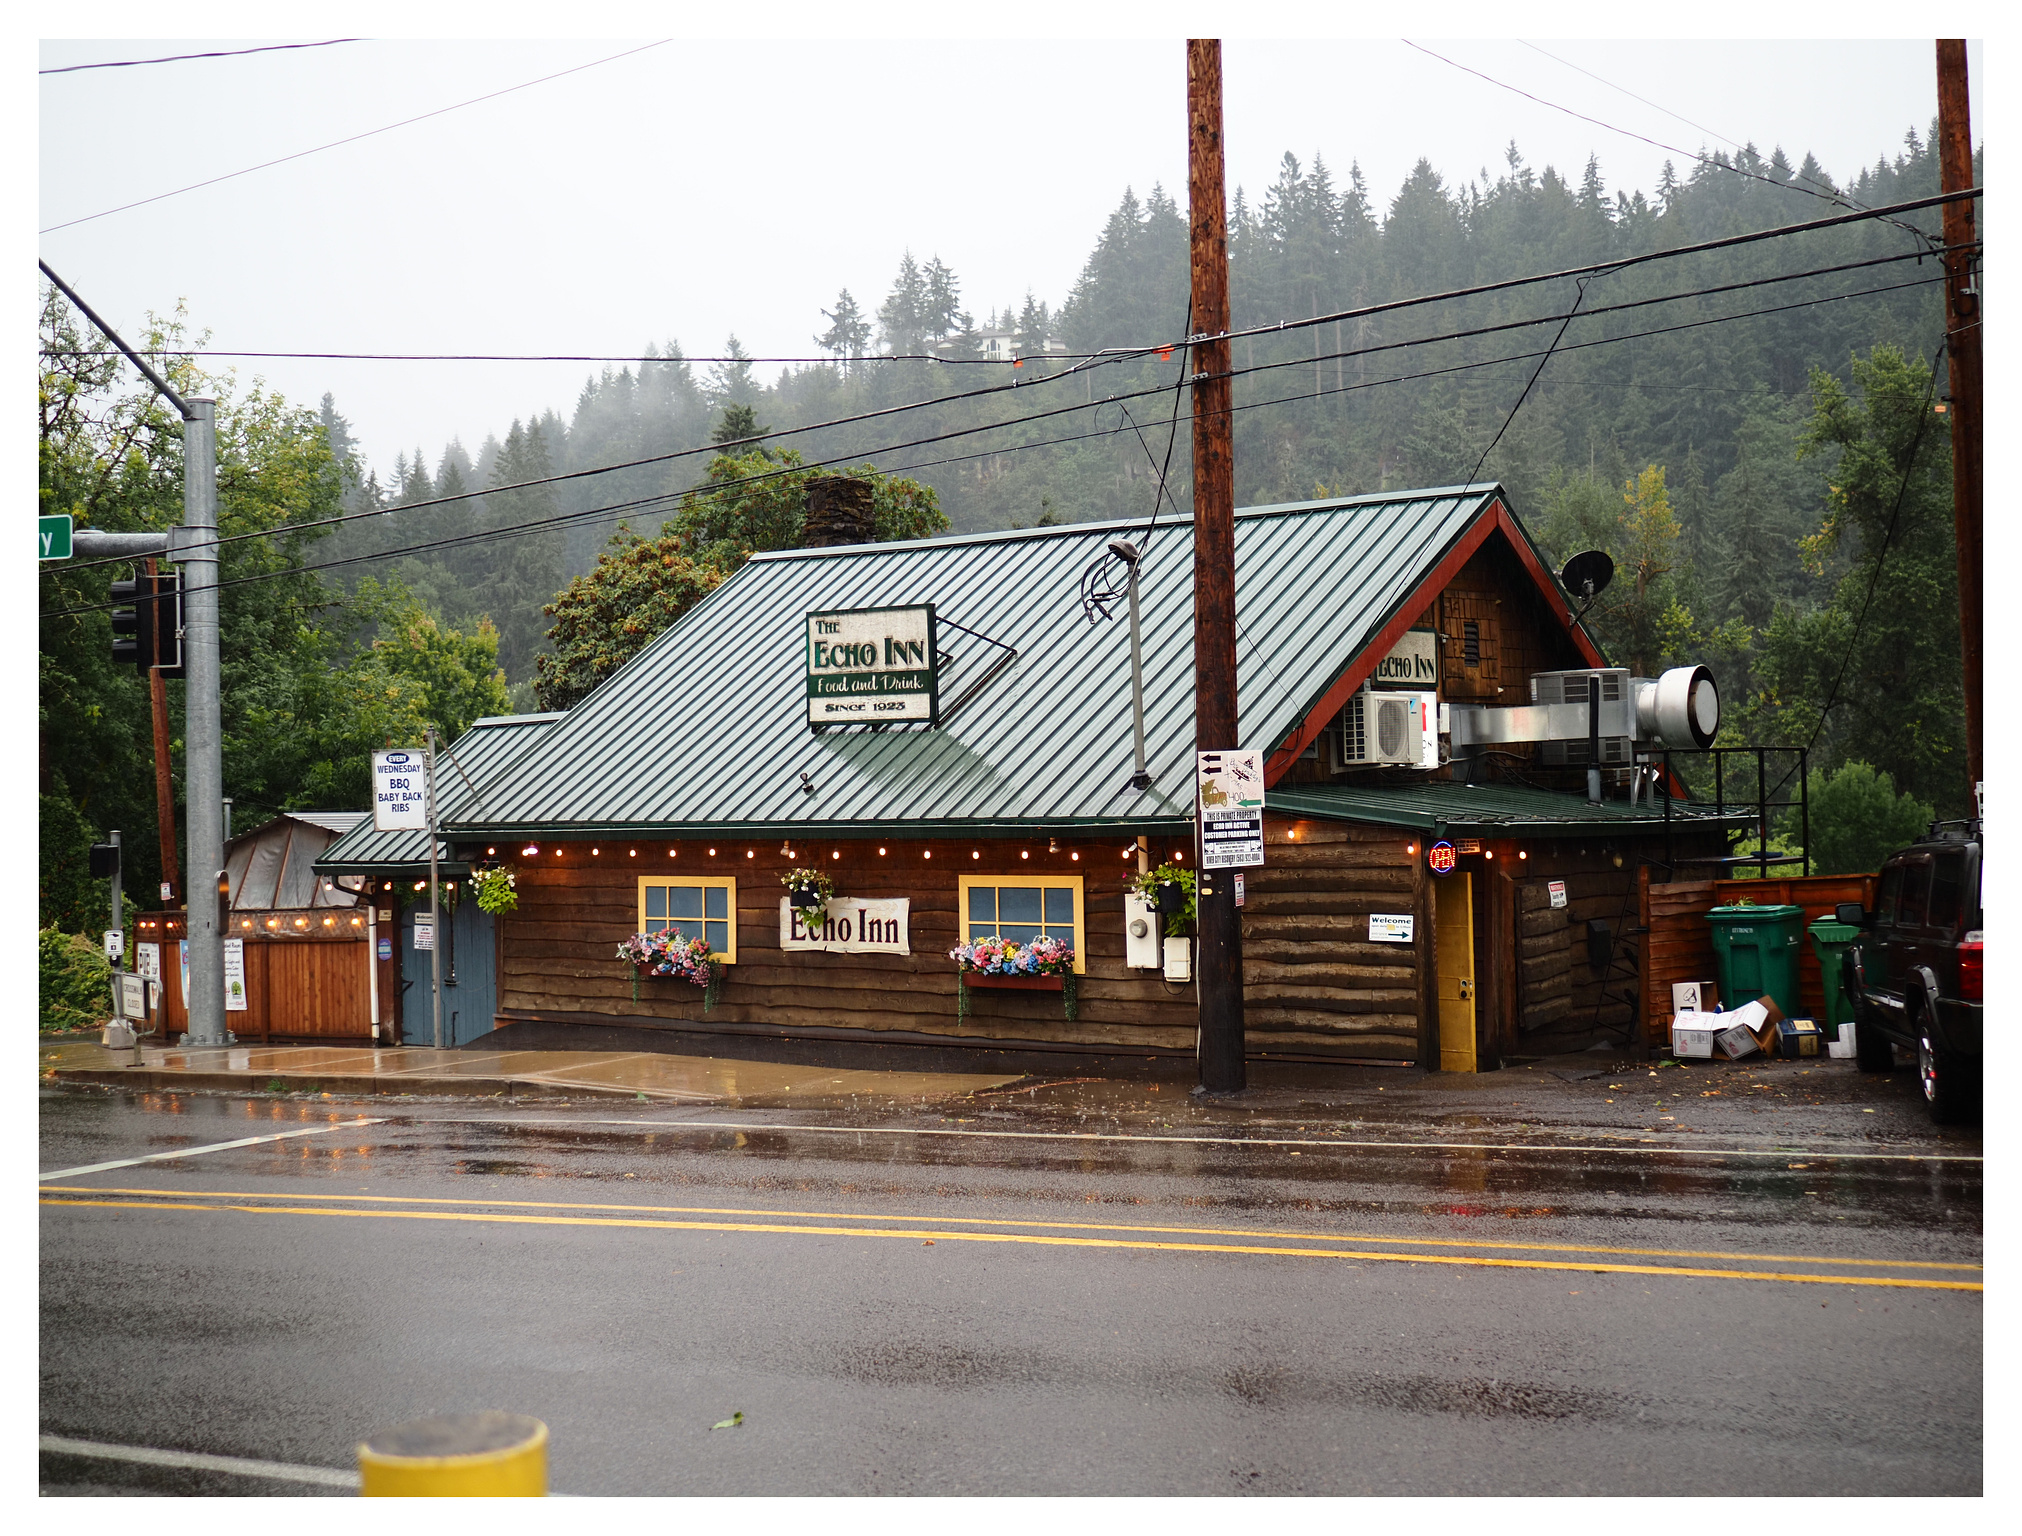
(1914, 974)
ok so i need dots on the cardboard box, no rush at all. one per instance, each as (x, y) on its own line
(1692, 1034)
(1694, 996)
(1841, 1046)
(1798, 1037)
(1738, 1039)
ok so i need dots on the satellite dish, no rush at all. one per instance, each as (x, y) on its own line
(1587, 575)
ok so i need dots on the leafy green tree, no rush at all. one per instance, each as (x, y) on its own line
(639, 587)
(1857, 819)
(759, 502)
(76, 981)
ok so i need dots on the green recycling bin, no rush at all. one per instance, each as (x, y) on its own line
(1755, 950)
(1830, 940)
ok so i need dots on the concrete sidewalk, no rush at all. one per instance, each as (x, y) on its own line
(513, 1074)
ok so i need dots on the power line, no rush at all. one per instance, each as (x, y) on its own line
(178, 58)
(1688, 122)
(1116, 353)
(662, 498)
(1556, 339)
(1726, 165)
(1467, 333)
(352, 139)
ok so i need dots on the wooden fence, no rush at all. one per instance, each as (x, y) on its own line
(297, 989)
(1678, 941)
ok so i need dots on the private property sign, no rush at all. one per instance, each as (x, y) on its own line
(853, 926)
(866, 665)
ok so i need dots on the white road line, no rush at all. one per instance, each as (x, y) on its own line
(196, 1461)
(1247, 1141)
(222, 1146)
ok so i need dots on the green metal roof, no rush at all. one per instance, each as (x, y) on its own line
(705, 730)
(487, 746)
(1438, 806)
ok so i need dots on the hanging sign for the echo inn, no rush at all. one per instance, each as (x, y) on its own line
(866, 665)
(852, 925)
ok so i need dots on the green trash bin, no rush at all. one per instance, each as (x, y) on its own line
(1829, 939)
(1755, 950)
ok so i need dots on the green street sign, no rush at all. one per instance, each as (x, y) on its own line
(55, 536)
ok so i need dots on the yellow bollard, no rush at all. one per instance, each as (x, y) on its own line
(461, 1455)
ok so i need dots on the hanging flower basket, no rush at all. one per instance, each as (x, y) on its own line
(810, 891)
(1170, 889)
(1044, 965)
(668, 954)
(496, 891)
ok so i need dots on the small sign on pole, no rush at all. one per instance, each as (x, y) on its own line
(132, 997)
(235, 975)
(399, 791)
(53, 536)
(424, 931)
(1230, 792)
(115, 945)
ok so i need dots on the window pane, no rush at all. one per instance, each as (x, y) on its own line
(1018, 904)
(719, 900)
(718, 935)
(1886, 896)
(656, 901)
(1948, 885)
(1018, 933)
(1059, 907)
(684, 901)
(982, 931)
(982, 904)
(1916, 893)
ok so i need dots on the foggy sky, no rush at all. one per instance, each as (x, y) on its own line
(705, 187)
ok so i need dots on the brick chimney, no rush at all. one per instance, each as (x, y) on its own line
(838, 512)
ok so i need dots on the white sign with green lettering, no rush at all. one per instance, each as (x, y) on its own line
(866, 665)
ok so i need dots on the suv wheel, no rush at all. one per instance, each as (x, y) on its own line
(1951, 1086)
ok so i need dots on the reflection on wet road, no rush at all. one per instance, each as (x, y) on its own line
(1294, 1308)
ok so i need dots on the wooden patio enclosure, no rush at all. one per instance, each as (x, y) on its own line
(1678, 941)
(297, 989)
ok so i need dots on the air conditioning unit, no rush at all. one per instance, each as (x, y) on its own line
(1385, 729)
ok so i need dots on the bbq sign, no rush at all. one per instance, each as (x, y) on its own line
(866, 665)
(1440, 857)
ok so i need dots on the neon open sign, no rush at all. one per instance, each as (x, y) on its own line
(1441, 858)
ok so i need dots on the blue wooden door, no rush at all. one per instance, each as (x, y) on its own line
(469, 978)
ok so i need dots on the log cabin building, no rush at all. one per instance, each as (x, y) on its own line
(725, 754)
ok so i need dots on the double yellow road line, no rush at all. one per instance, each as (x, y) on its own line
(1472, 1253)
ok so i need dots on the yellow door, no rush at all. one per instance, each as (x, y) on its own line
(1453, 940)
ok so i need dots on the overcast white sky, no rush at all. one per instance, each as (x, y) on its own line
(703, 186)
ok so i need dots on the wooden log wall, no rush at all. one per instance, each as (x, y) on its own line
(1314, 984)
(1311, 978)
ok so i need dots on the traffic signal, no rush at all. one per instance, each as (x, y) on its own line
(150, 633)
(133, 629)
(104, 860)
(167, 604)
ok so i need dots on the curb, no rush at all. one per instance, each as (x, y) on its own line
(351, 1085)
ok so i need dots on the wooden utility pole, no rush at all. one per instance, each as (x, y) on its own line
(1962, 348)
(164, 777)
(1218, 971)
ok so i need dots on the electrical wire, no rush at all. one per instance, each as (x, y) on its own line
(1726, 165)
(1556, 339)
(709, 492)
(1733, 143)
(352, 139)
(1463, 334)
(745, 483)
(178, 58)
(582, 357)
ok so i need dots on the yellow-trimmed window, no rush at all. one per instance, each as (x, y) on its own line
(1021, 908)
(700, 907)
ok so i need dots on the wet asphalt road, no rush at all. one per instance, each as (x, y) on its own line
(917, 1313)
